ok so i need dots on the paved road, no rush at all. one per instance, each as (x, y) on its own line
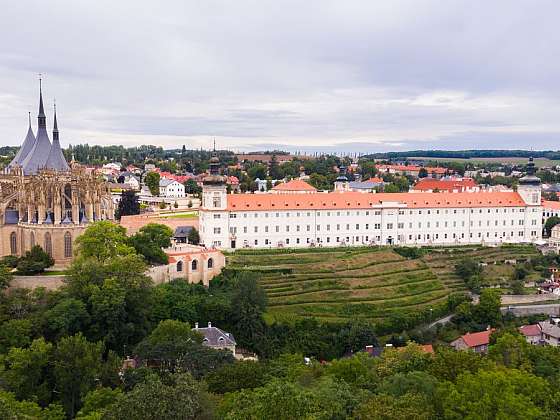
(440, 321)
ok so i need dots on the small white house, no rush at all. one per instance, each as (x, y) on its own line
(170, 188)
(132, 181)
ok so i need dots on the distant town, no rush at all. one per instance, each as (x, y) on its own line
(213, 274)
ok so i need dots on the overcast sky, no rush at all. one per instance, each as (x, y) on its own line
(371, 75)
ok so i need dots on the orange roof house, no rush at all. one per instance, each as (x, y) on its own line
(294, 186)
(477, 342)
(446, 185)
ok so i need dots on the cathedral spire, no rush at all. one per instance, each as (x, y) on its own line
(55, 125)
(41, 117)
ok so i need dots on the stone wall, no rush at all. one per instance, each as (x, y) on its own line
(33, 282)
(520, 299)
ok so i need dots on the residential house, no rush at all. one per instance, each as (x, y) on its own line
(532, 333)
(170, 188)
(216, 338)
(192, 263)
(446, 185)
(477, 342)
(181, 234)
(366, 186)
(550, 332)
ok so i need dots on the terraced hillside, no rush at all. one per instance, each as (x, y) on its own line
(347, 283)
(341, 283)
(442, 263)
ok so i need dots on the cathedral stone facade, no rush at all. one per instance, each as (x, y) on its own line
(44, 200)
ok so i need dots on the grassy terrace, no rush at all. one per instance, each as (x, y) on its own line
(339, 284)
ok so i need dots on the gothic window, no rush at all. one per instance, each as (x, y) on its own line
(194, 265)
(210, 263)
(179, 265)
(67, 245)
(48, 244)
(13, 243)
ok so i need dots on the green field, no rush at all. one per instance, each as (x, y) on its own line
(539, 162)
(372, 282)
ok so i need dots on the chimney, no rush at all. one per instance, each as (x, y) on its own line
(209, 324)
(196, 325)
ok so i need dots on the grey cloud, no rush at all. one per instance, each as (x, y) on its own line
(405, 73)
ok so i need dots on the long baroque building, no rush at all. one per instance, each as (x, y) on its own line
(44, 201)
(348, 218)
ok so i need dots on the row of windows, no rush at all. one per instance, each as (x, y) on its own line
(194, 264)
(367, 239)
(47, 244)
(368, 212)
(375, 226)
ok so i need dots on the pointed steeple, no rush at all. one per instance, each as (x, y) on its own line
(25, 148)
(56, 160)
(55, 126)
(41, 117)
(36, 158)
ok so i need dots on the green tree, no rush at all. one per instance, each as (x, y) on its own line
(467, 268)
(152, 181)
(257, 171)
(34, 261)
(422, 173)
(410, 406)
(179, 397)
(191, 187)
(550, 223)
(391, 188)
(103, 240)
(15, 333)
(27, 371)
(496, 394)
(77, 369)
(321, 182)
(401, 384)
(248, 304)
(6, 276)
(128, 205)
(358, 371)
(236, 376)
(511, 351)
(448, 364)
(177, 348)
(488, 309)
(11, 408)
(274, 169)
(68, 317)
(277, 400)
(97, 402)
(150, 240)
(193, 236)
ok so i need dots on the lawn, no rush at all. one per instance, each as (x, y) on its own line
(341, 284)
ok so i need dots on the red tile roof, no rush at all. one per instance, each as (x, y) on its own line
(375, 180)
(427, 348)
(553, 205)
(358, 200)
(427, 184)
(478, 339)
(412, 168)
(530, 330)
(294, 185)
